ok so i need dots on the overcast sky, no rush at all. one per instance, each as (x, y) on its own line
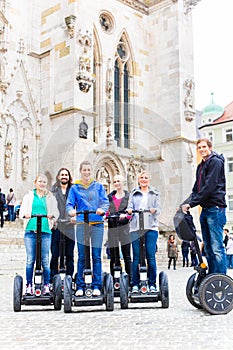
(213, 52)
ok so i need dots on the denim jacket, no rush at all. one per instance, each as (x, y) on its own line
(151, 221)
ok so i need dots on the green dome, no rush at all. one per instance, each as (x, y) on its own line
(212, 109)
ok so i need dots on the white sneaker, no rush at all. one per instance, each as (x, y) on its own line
(46, 289)
(79, 293)
(29, 289)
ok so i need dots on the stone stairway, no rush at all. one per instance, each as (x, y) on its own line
(12, 250)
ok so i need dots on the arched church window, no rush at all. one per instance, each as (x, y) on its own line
(121, 96)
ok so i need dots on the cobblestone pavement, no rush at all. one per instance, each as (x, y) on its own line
(147, 326)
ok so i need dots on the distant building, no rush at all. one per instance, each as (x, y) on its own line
(217, 125)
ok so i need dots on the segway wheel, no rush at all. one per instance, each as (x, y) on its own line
(124, 289)
(190, 291)
(216, 294)
(164, 291)
(67, 294)
(57, 292)
(109, 292)
(18, 290)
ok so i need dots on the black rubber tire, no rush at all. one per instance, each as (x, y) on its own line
(18, 291)
(109, 292)
(164, 290)
(190, 291)
(124, 290)
(216, 294)
(57, 292)
(67, 294)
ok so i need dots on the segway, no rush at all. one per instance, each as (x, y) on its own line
(120, 278)
(144, 296)
(38, 298)
(107, 293)
(211, 292)
(62, 254)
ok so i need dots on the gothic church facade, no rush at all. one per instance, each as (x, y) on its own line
(110, 81)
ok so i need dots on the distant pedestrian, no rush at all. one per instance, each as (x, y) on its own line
(225, 236)
(229, 252)
(185, 247)
(193, 253)
(172, 251)
(10, 201)
(2, 206)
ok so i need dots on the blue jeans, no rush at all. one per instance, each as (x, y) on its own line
(151, 237)
(11, 213)
(30, 245)
(212, 222)
(96, 239)
(229, 261)
(69, 252)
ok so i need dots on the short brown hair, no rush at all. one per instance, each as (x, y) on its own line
(204, 139)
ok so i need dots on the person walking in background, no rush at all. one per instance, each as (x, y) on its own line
(229, 252)
(88, 194)
(193, 254)
(147, 198)
(38, 201)
(209, 192)
(60, 190)
(185, 247)
(2, 206)
(118, 228)
(225, 236)
(172, 251)
(10, 201)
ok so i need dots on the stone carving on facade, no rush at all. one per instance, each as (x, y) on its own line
(189, 154)
(3, 6)
(134, 167)
(189, 4)
(70, 24)
(21, 46)
(109, 113)
(8, 159)
(137, 5)
(189, 110)
(84, 76)
(103, 177)
(25, 161)
(83, 129)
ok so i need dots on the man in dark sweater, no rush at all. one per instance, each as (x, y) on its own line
(209, 192)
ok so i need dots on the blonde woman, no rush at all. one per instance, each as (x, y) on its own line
(118, 229)
(144, 197)
(38, 201)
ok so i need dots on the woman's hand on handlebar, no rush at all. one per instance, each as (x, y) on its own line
(152, 210)
(129, 211)
(72, 212)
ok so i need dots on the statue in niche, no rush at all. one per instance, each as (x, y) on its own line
(188, 100)
(25, 161)
(103, 177)
(8, 159)
(83, 128)
(3, 73)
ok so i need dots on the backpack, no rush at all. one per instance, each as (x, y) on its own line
(184, 225)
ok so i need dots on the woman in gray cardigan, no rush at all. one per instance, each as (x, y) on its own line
(144, 198)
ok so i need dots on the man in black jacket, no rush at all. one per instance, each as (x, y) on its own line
(209, 192)
(60, 190)
(2, 206)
